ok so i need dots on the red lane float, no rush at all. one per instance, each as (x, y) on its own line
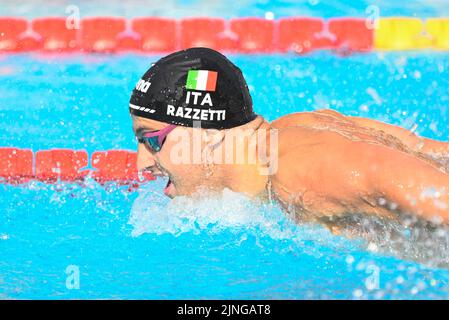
(10, 31)
(157, 34)
(101, 34)
(56, 35)
(203, 32)
(29, 42)
(162, 35)
(352, 34)
(302, 35)
(254, 34)
(63, 164)
(114, 165)
(16, 165)
(129, 42)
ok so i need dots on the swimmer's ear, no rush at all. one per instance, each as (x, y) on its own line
(213, 137)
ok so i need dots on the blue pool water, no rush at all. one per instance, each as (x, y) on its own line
(142, 245)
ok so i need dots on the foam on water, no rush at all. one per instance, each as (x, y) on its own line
(229, 211)
(203, 211)
(214, 213)
(409, 238)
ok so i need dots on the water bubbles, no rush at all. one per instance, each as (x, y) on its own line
(414, 291)
(374, 95)
(364, 108)
(358, 293)
(421, 285)
(372, 247)
(379, 295)
(400, 280)
(401, 267)
(400, 62)
(417, 75)
(269, 15)
(433, 126)
(412, 270)
(350, 259)
(321, 101)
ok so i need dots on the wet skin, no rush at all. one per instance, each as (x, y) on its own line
(329, 165)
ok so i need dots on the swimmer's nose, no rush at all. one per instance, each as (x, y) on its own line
(144, 158)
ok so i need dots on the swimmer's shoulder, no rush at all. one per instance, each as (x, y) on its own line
(308, 119)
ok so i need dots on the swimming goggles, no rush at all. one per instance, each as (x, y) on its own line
(154, 140)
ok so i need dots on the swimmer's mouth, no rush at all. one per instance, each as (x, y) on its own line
(169, 189)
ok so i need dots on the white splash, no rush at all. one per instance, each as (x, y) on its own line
(228, 211)
(152, 213)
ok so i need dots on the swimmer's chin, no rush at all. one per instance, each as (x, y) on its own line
(200, 192)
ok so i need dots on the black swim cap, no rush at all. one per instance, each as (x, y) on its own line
(197, 84)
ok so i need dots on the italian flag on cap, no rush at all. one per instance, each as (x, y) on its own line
(202, 80)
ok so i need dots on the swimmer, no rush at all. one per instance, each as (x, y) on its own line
(191, 107)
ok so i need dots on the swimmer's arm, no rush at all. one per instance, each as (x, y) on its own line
(409, 138)
(329, 174)
(413, 185)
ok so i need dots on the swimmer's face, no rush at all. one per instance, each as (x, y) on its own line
(185, 177)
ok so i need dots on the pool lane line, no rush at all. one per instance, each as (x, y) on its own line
(158, 35)
(23, 165)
